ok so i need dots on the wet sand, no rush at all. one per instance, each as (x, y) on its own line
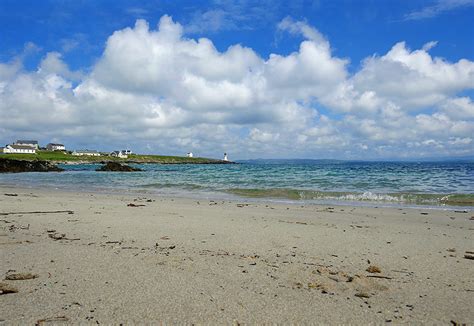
(97, 258)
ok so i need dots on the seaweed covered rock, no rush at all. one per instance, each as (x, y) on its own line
(16, 166)
(117, 167)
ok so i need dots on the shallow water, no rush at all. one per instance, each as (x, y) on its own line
(406, 183)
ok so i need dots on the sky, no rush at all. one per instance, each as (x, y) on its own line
(326, 79)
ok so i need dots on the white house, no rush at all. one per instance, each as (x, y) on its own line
(127, 151)
(32, 143)
(225, 157)
(190, 154)
(119, 154)
(86, 152)
(55, 147)
(19, 149)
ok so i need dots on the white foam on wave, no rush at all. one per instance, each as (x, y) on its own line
(370, 196)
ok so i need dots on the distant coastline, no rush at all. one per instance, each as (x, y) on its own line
(65, 158)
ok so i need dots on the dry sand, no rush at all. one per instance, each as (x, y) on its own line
(190, 261)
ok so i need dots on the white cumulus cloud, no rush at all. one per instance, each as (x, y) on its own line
(157, 90)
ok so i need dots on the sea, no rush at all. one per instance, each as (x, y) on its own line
(407, 184)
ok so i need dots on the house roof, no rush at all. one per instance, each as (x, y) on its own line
(21, 147)
(52, 144)
(27, 142)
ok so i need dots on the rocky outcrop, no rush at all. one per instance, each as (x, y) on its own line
(16, 166)
(117, 167)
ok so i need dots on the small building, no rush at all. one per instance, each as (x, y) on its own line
(32, 143)
(55, 147)
(190, 154)
(127, 151)
(225, 157)
(119, 154)
(86, 152)
(19, 149)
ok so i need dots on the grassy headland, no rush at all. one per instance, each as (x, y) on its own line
(61, 157)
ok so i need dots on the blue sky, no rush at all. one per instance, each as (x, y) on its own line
(356, 28)
(73, 41)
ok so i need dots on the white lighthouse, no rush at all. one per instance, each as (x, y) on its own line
(225, 157)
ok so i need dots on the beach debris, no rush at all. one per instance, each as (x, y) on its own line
(373, 269)
(254, 256)
(165, 238)
(463, 211)
(172, 247)
(471, 218)
(7, 288)
(40, 322)
(57, 236)
(37, 212)
(11, 195)
(362, 295)
(298, 285)
(401, 271)
(380, 276)
(135, 205)
(451, 249)
(21, 276)
(13, 227)
(320, 286)
(313, 285)
(424, 213)
(469, 255)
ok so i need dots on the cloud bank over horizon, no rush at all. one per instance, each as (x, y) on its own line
(157, 90)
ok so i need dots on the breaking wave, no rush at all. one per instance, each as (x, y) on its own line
(402, 198)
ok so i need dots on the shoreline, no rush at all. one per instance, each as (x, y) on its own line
(231, 196)
(144, 258)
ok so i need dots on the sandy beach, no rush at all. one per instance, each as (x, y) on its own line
(101, 258)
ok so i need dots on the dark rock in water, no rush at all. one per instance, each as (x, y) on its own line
(117, 167)
(16, 166)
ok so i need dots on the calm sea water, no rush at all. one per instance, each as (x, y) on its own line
(434, 184)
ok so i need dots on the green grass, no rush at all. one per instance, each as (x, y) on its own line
(64, 157)
(169, 159)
